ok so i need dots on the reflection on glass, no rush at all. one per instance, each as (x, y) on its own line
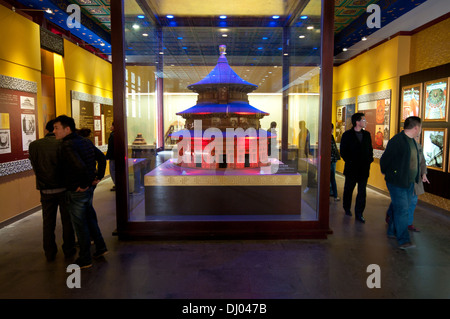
(205, 110)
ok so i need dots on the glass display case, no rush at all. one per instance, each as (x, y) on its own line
(222, 106)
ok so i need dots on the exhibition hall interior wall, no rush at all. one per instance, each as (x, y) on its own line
(377, 70)
(55, 77)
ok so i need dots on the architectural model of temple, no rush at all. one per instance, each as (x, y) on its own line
(223, 104)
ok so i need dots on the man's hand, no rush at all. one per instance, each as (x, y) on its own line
(80, 190)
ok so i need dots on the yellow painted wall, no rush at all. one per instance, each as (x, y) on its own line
(430, 47)
(81, 71)
(376, 70)
(78, 70)
(20, 58)
(380, 69)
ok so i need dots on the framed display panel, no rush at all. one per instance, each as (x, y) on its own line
(344, 110)
(411, 101)
(376, 107)
(94, 113)
(436, 100)
(434, 142)
(18, 123)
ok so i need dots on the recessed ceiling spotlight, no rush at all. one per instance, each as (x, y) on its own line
(169, 16)
(141, 16)
(304, 17)
(145, 34)
(363, 39)
(275, 17)
(224, 35)
(49, 11)
(310, 27)
(223, 17)
(344, 49)
(301, 36)
(135, 26)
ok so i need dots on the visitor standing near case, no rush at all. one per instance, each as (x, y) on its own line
(80, 159)
(400, 164)
(110, 157)
(335, 156)
(357, 153)
(45, 158)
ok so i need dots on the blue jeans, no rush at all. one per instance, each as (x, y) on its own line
(398, 212)
(333, 180)
(84, 220)
(412, 208)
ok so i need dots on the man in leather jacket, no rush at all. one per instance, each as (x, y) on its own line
(80, 159)
(45, 158)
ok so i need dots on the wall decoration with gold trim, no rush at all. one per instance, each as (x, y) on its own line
(411, 101)
(434, 142)
(436, 100)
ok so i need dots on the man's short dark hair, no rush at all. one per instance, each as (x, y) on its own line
(412, 122)
(66, 121)
(357, 117)
(49, 126)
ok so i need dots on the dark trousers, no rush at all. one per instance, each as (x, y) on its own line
(85, 222)
(349, 186)
(50, 204)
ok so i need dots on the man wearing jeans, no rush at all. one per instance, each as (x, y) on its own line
(80, 158)
(400, 165)
(46, 162)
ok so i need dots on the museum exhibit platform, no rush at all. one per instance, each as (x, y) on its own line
(172, 190)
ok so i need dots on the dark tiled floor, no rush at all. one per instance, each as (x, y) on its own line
(287, 269)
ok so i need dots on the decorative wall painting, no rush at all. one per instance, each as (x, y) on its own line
(436, 100)
(376, 108)
(434, 142)
(411, 101)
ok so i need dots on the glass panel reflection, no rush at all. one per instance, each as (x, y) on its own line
(206, 103)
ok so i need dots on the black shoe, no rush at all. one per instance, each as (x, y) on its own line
(348, 213)
(360, 219)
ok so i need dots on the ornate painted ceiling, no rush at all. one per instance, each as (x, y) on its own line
(195, 17)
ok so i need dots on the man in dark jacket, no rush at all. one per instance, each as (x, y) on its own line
(357, 152)
(400, 166)
(44, 156)
(80, 158)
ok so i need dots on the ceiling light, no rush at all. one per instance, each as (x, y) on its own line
(310, 27)
(141, 16)
(344, 49)
(286, 54)
(224, 35)
(301, 36)
(135, 26)
(145, 34)
(363, 39)
(275, 17)
(49, 11)
(304, 17)
(169, 16)
(223, 17)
